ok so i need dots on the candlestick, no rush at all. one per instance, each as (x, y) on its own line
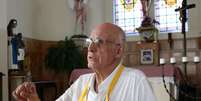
(196, 59)
(162, 61)
(170, 41)
(172, 60)
(185, 59)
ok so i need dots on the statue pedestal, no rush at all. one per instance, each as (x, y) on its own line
(148, 34)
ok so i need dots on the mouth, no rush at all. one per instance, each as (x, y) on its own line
(90, 57)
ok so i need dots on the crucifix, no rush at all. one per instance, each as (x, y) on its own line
(183, 19)
(80, 10)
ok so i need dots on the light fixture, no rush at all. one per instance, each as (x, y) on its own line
(170, 2)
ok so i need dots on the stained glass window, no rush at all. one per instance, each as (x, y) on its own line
(128, 15)
(168, 18)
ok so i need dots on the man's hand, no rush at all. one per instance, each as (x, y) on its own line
(26, 92)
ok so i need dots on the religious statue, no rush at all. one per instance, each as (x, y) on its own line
(80, 11)
(145, 7)
(15, 47)
(20, 51)
(148, 32)
(12, 24)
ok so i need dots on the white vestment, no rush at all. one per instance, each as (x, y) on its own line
(131, 86)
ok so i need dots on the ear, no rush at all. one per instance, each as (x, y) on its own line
(119, 51)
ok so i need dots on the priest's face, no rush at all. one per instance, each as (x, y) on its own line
(102, 48)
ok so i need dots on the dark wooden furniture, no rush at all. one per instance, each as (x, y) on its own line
(16, 78)
(1, 90)
(41, 86)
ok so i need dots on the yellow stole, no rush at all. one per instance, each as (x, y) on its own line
(110, 88)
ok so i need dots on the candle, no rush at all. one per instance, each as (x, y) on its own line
(172, 60)
(162, 61)
(196, 59)
(184, 59)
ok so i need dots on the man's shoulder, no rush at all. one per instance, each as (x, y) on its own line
(133, 73)
(88, 75)
(85, 77)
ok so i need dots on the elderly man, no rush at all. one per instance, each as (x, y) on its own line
(111, 81)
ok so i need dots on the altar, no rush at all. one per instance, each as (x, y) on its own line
(154, 74)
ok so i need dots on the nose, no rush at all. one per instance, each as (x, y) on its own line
(92, 47)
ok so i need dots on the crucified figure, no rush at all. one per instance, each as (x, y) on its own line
(80, 10)
(145, 7)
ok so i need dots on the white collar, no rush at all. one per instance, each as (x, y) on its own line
(104, 85)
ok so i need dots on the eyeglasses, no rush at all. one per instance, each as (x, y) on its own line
(98, 41)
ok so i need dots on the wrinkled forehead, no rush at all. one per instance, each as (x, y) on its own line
(105, 33)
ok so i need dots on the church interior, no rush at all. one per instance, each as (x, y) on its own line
(163, 39)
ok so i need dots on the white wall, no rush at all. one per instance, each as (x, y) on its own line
(55, 19)
(108, 11)
(96, 13)
(3, 48)
(3, 63)
(22, 10)
(3, 14)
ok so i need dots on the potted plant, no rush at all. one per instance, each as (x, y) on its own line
(65, 56)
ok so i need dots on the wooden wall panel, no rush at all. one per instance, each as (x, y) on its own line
(34, 62)
(132, 55)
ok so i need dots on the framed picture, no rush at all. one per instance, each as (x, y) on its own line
(147, 56)
(148, 53)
